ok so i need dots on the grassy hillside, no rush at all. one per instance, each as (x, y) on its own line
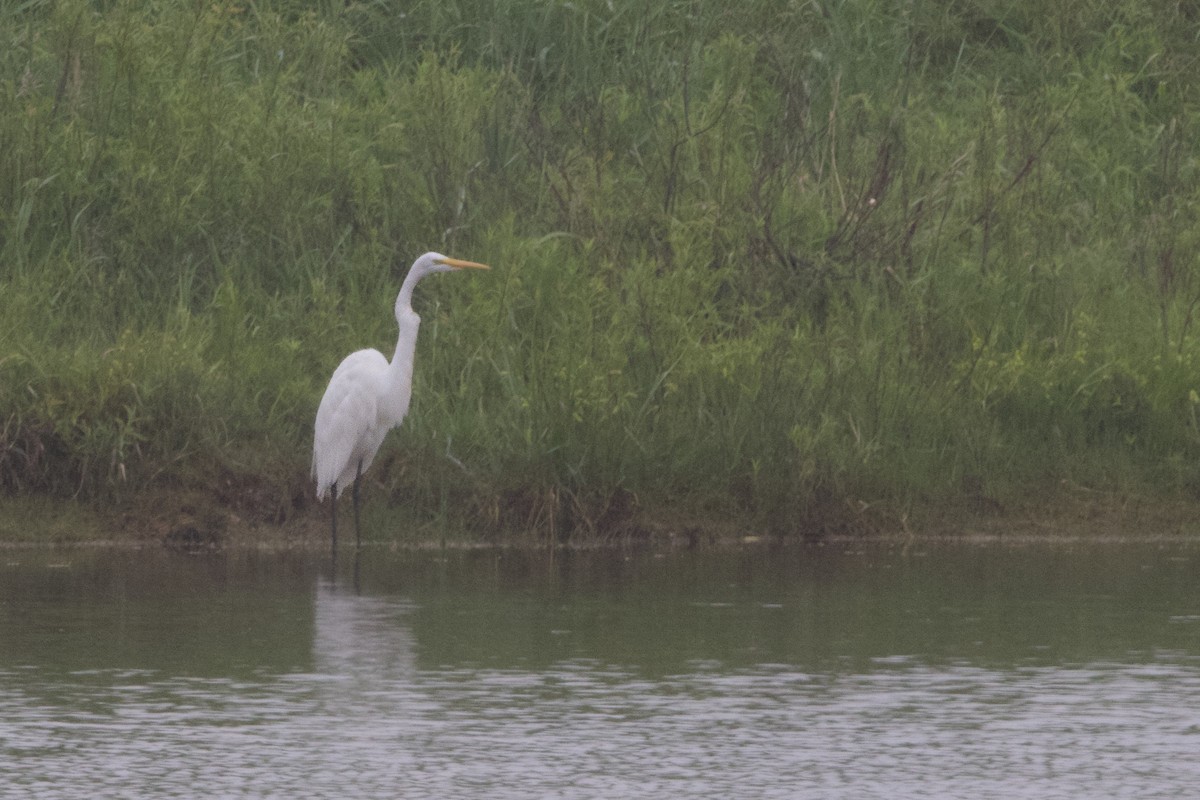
(790, 263)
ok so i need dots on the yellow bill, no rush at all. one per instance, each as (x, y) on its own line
(459, 264)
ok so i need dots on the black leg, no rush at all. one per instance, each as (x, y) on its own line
(333, 514)
(357, 481)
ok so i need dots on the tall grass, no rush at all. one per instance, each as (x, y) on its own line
(786, 262)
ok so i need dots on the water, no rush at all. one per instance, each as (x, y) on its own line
(844, 671)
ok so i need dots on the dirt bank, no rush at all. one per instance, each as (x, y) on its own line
(192, 519)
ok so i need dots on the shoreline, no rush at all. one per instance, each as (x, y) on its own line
(187, 520)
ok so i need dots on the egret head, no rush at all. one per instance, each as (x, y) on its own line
(436, 262)
(427, 265)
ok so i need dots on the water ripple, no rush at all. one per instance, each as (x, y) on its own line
(587, 730)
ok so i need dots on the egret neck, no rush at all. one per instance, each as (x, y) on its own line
(394, 402)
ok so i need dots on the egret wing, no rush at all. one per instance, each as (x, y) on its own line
(345, 431)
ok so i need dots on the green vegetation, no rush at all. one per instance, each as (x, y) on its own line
(779, 262)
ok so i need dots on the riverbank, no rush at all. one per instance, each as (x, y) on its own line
(189, 520)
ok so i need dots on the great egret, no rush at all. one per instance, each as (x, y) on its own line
(368, 396)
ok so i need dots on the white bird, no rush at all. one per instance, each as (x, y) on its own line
(368, 396)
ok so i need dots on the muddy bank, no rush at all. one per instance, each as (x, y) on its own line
(197, 520)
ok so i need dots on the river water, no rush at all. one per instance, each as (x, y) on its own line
(836, 671)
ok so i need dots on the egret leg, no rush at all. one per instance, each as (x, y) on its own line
(357, 481)
(333, 514)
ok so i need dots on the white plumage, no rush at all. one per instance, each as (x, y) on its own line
(349, 427)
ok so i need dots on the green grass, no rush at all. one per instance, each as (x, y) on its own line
(771, 263)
